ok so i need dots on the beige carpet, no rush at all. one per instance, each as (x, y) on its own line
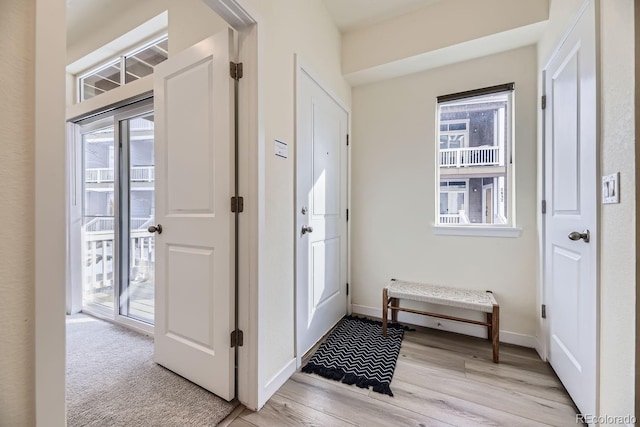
(113, 381)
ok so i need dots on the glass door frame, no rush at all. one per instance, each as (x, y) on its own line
(119, 118)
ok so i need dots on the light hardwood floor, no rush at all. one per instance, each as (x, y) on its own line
(441, 379)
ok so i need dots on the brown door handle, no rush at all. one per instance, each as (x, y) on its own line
(155, 229)
(585, 235)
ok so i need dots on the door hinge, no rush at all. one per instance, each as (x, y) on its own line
(237, 204)
(347, 214)
(347, 139)
(543, 311)
(347, 289)
(235, 69)
(236, 338)
(543, 102)
(544, 206)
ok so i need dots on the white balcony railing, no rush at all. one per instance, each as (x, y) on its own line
(106, 224)
(459, 218)
(138, 174)
(142, 174)
(98, 175)
(98, 269)
(472, 156)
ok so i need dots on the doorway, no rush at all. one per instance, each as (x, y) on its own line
(487, 203)
(321, 211)
(50, 294)
(570, 222)
(116, 174)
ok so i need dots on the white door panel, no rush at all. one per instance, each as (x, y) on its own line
(194, 296)
(321, 203)
(325, 262)
(570, 188)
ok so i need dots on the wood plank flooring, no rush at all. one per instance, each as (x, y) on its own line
(441, 379)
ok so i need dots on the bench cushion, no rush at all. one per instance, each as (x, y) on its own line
(442, 295)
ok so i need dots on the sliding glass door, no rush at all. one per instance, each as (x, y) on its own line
(98, 228)
(137, 298)
(118, 251)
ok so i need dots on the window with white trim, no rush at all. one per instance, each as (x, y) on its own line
(133, 65)
(474, 156)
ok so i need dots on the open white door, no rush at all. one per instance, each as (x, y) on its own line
(321, 205)
(194, 276)
(570, 188)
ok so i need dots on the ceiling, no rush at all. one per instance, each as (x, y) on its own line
(351, 14)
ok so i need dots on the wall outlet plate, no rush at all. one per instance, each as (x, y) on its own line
(611, 188)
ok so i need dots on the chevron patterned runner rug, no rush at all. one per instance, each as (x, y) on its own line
(356, 353)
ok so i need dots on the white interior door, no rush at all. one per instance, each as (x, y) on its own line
(321, 204)
(570, 188)
(194, 294)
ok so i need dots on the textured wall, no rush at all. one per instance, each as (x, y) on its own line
(617, 222)
(17, 26)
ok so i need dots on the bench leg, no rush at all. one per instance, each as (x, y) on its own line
(495, 332)
(394, 313)
(490, 327)
(385, 311)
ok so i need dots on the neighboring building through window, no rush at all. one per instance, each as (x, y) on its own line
(131, 66)
(474, 157)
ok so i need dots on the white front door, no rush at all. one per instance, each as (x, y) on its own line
(570, 191)
(194, 285)
(321, 207)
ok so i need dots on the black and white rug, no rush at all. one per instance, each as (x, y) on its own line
(356, 353)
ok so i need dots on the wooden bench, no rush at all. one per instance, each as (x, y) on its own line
(483, 301)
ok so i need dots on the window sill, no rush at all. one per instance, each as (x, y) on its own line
(476, 230)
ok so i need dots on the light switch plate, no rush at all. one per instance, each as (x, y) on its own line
(611, 188)
(281, 149)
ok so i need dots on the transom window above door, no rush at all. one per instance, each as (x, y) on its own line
(132, 65)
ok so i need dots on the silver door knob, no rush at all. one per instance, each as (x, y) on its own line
(585, 236)
(155, 229)
(307, 229)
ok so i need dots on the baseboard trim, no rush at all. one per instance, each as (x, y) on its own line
(451, 326)
(539, 348)
(276, 382)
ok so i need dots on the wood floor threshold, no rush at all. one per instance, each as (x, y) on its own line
(232, 416)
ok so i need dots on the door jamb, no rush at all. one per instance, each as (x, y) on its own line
(242, 18)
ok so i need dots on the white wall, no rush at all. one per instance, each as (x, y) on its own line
(50, 220)
(289, 27)
(393, 197)
(617, 222)
(189, 22)
(103, 21)
(438, 26)
(17, 277)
